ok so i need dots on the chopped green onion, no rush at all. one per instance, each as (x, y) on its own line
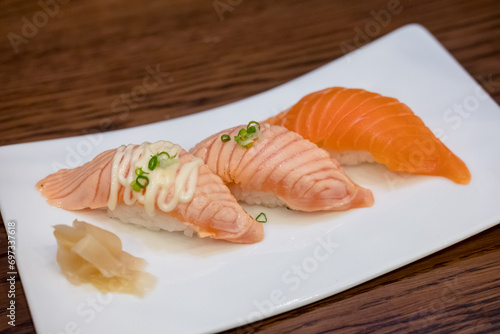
(246, 137)
(142, 185)
(225, 138)
(263, 219)
(153, 162)
(243, 134)
(158, 160)
(244, 143)
(139, 171)
(168, 155)
(135, 187)
(253, 122)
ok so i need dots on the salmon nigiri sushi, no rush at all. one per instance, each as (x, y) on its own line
(355, 123)
(159, 186)
(277, 167)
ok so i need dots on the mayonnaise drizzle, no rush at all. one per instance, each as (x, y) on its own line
(128, 158)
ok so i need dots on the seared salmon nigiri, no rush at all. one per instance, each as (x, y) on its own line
(159, 186)
(273, 166)
(356, 122)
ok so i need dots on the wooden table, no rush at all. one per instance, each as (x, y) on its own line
(70, 68)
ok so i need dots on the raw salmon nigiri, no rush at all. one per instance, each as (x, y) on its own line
(179, 187)
(281, 168)
(342, 119)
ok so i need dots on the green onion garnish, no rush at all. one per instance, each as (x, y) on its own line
(159, 160)
(246, 137)
(225, 138)
(263, 219)
(253, 122)
(168, 155)
(137, 185)
(153, 162)
(139, 171)
(140, 184)
(156, 160)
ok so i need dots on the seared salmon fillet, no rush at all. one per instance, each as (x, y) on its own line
(281, 168)
(212, 211)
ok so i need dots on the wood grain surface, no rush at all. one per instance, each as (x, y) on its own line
(74, 67)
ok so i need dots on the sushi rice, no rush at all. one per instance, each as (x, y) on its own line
(134, 214)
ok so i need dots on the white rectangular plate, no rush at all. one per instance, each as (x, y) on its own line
(208, 285)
